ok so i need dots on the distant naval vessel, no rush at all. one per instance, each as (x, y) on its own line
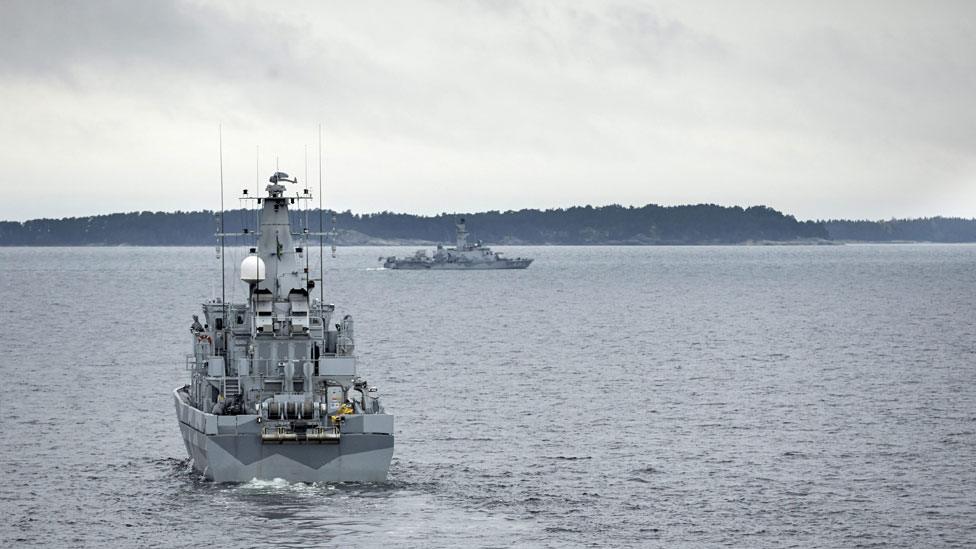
(462, 256)
(274, 391)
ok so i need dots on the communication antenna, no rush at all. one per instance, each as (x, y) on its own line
(305, 228)
(257, 190)
(321, 227)
(223, 277)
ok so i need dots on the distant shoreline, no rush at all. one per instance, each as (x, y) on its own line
(595, 245)
(614, 225)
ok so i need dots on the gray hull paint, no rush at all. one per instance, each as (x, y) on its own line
(358, 457)
(463, 257)
(500, 264)
(273, 389)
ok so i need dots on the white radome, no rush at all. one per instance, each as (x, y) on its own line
(252, 269)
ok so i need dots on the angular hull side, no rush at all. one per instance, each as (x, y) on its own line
(242, 456)
(488, 265)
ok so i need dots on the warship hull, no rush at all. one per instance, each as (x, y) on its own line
(230, 449)
(457, 266)
(463, 257)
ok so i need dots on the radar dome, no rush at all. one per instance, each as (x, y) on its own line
(252, 269)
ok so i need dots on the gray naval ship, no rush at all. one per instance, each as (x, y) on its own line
(274, 391)
(462, 256)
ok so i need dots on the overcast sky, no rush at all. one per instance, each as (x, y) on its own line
(820, 109)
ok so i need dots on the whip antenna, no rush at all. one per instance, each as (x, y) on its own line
(308, 274)
(321, 228)
(257, 191)
(223, 276)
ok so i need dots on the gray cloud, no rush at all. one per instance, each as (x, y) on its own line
(846, 109)
(55, 39)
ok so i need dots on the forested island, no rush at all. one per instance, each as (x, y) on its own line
(583, 225)
(930, 229)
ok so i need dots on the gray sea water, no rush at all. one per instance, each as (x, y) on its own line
(607, 397)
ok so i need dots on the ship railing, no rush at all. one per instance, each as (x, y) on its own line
(262, 367)
(266, 367)
(259, 367)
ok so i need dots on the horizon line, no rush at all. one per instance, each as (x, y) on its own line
(553, 208)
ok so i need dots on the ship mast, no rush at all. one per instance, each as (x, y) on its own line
(462, 235)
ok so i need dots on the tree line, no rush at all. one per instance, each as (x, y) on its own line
(614, 224)
(931, 229)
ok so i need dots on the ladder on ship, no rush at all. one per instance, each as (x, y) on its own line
(232, 387)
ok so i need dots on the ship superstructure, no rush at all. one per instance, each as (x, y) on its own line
(274, 390)
(462, 256)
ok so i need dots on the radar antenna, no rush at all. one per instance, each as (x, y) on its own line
(282, 177)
